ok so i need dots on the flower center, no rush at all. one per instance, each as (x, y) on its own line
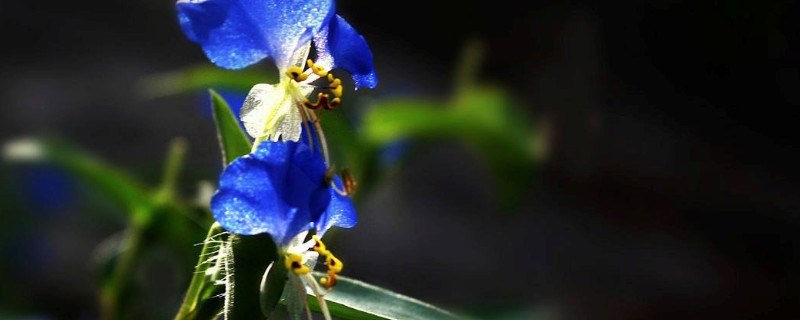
(323, 99)
(294, 262)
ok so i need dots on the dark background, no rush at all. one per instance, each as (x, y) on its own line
(669, 189)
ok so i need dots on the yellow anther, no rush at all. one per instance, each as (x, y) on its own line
(349, 182)
(335, 83)
(329, 281)
(337, 90)
(319, 246)
(334, 264)
(294, 262)
(322, 101)
(296, 73)
(319, 70)
(333, 104)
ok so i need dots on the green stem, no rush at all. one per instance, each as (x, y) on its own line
(172, 168)
(112, 293)
(189, 308)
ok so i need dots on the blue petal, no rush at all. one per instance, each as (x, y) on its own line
(340, 211)
(278, 190)
(237, 33)
(310, 137)
(348, 50)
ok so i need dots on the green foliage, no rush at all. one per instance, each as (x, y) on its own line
(233, 142)
(242, 276)
(156, 216)
(483, 118)
(251, 257)
(200, 78)
(356, 300)
(202, 289)
(110, 182)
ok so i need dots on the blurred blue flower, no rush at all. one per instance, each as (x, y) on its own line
(393, 152)
(49, 189)
(238, 33)
(281, 189)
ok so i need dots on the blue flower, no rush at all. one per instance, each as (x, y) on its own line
(280, 189)
(237, 33)
(284, 189)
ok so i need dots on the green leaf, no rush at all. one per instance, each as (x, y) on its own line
(199, 78)
(233, 141)
(483, 118)
(109, 181)
(251, 256)
(355, 300)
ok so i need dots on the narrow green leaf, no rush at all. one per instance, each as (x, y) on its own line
(355, 300)
(483, 118)
(198, 78)
(111, 182)
(233, 141)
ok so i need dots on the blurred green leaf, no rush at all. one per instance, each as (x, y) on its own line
(355, 300)
(109, 181)
(481, 117)
(200, 78)
(233, 141)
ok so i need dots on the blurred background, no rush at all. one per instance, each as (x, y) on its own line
(661, 183)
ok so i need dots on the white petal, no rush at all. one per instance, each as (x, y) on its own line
(271, 111)
(294, 295)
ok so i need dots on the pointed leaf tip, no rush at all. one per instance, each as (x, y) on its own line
(233, 141)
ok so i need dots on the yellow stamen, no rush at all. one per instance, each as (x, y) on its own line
(318, 70)
(337, 90)
(335, 82)
(334, 85)
(296, 73)
(329, 281)
(319, 246)
(294, 262)
(349, 182)
(333, 104)
(322, 101)
(334, 264)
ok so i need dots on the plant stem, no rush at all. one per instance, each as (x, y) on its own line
(113, 291)
(172, 168)
(189, 308)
